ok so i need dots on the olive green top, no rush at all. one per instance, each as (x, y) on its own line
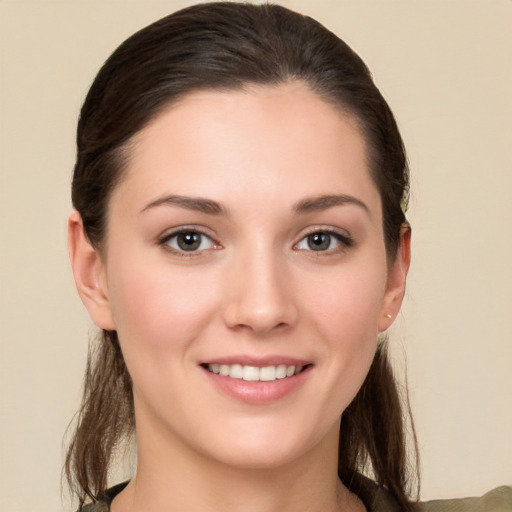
(377, 499)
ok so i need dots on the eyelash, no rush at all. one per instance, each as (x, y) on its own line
(343, 240)
(164, 242)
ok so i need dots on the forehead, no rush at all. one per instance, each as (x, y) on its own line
(259, 140)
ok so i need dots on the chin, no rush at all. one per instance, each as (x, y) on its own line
(265, 457)
(260, 445)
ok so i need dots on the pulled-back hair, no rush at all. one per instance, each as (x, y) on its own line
(226, 46)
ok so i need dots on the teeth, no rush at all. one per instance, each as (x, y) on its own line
(281, 371)
(250, 373)
(255, 373)
(268, 373)
(235, 371)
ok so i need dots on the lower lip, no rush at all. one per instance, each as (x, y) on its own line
(258, 392)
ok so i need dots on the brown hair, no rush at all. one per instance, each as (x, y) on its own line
(226, 45)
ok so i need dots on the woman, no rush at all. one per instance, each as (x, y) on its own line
(239, 236)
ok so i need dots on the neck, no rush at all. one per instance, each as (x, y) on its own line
(176, 478)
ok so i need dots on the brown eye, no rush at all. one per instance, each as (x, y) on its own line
(319, 241)
(323, 241)
(188, 241)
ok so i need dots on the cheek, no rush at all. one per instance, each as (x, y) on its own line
(347, 304)
(347, 319)
(158, 308)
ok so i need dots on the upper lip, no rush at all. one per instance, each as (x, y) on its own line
(258, 361)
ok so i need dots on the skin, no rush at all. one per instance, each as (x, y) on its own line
(253, 288)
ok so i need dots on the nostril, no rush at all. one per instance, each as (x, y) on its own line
(258, 304)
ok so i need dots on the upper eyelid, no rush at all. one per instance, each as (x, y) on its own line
(169, 233)
(324, 229)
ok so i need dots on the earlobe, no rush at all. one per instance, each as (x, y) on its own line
(89, 273)
(395, 288)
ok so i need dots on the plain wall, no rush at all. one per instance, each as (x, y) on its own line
(444, 67)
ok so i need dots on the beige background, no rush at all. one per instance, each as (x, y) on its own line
(446, 69)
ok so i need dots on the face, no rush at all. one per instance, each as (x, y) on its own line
(245, 272)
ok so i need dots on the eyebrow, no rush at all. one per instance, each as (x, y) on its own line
(319, 203)
(198, 204)
(210, 207)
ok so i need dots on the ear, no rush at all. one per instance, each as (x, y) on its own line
(397, 274)
(89, 272)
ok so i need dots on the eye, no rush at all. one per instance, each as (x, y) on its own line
(188, 241)
(321, 241)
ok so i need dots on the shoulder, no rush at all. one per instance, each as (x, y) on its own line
(497, 500)
(378, 499)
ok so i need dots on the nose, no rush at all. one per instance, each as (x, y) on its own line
(260, 296)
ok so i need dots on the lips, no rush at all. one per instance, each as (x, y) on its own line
(257, 380)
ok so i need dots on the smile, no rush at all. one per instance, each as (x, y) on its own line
(255, 373)
(258, 380)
